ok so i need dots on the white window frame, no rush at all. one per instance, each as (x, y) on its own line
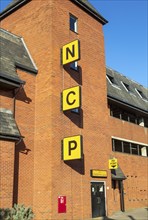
(75, 22)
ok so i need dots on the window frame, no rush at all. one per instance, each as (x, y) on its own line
(74, 66)
(73, 26)
(131, 148)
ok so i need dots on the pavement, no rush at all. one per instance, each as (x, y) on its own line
(132, 214)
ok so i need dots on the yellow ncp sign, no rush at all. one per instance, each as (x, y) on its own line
(72, 148)
(71, 52)
(113, 163)
(71, 98)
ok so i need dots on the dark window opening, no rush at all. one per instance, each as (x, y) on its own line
(141, 94)
(129, 148)
(117, 145)
(127, 87)
(125, 115)
(73, 23)
(111, 79)
(134, 149)
(126, 146)
(74, 66)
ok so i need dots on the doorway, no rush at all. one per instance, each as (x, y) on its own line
(98, 199)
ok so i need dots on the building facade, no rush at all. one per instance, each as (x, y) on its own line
(73, 136)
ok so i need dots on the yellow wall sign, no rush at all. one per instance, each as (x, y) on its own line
(113, 163)
(71, 98)
(98, 173)
(71, 52)
(72, 148)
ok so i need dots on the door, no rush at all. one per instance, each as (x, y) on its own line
(98, 199)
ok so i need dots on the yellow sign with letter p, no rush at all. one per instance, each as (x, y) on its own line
(72, 148)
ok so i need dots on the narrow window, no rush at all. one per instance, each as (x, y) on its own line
(115, 111)
(143, 151)
(74, 66)
(73, 23)
(126, 146)
(126, 86)
(117, 145)
(134, 149)
(141, 94)
(76, 110)
(110, 79)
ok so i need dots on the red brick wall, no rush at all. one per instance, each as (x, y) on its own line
(7, 150)
(134, 167)
(44, 26)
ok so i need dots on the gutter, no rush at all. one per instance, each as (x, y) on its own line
(10, 137)
(91, 11)
(126, 104)
(12, 8)
(3, 76)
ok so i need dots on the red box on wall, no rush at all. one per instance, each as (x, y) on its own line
(62, 204)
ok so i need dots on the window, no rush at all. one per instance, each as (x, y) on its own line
(134, 149)
(74, 66)
(73, 23)
(76, 110)
(117, 145)
(126, 147)
(129, 116)
(143, 150)
(127, 87)
(112, 81)
(141, 94)
(129, 148)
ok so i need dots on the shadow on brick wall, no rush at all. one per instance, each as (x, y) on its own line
(20, 147)
(77, 165)
(76, 118)
(22, 96)
(75, 74)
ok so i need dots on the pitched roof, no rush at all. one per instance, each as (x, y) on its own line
(84, 4)
(126, 91)
(14, 54)
(8, 128)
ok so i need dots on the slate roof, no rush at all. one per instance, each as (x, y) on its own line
(8, 128)
(85, 4)
(14, 53)
(117, 90)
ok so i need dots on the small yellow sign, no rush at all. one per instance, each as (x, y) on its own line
(71, 98)
(72, 148)
(113, 163)
(71, 52)
(98, 173)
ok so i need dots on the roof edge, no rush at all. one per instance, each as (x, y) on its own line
(11, 79)
(91, 11)
(126, 104)
(12, 8)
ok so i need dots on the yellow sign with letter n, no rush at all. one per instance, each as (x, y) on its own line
(71, 52)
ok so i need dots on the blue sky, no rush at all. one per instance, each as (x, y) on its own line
(126, 36)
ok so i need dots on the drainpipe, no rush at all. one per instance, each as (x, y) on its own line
(15, 92)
